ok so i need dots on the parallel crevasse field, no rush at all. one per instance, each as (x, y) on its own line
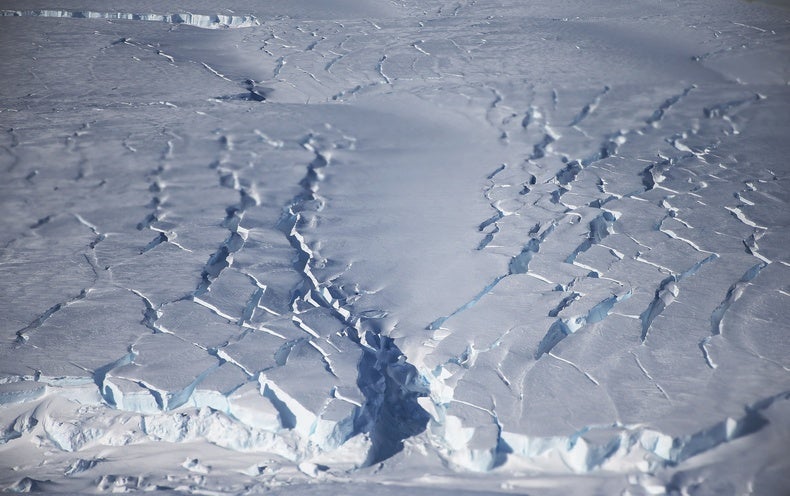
(415, 246)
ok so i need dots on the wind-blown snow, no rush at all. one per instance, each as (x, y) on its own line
(394, 246)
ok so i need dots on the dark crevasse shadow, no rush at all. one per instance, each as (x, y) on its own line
(391, 413)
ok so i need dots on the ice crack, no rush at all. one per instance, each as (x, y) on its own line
(666, 294)
(23, 334)
(717, 317)
(562, 328)
(390, 385)
(519, 264)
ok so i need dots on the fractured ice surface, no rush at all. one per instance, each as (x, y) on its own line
(472, 245)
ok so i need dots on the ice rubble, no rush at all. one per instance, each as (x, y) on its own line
(411, 244)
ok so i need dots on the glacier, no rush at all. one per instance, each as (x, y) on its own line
(424, 246)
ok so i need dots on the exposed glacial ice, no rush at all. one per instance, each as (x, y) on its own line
(197, 20)
(473, 246)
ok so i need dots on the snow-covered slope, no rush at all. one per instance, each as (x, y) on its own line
(495, 247)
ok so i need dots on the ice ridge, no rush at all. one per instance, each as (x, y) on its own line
(214, 21)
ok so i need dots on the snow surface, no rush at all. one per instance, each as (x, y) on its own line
(416, 246)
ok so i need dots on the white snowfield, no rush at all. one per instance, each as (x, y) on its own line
(395, 247)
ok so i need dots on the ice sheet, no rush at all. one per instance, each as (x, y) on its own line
(322, 246)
